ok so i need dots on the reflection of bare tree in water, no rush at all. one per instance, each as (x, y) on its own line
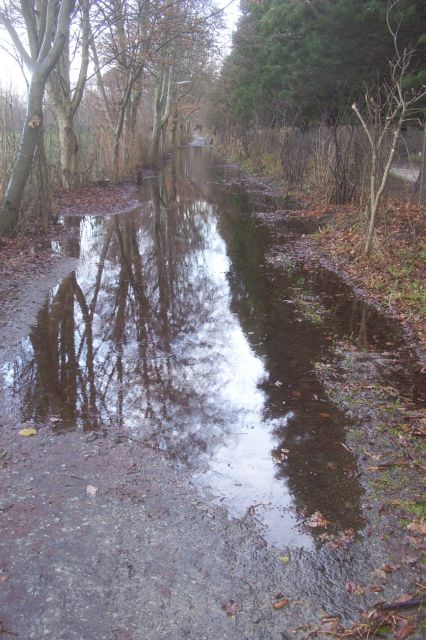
(48, 377)
(59, 379)
(105, 350)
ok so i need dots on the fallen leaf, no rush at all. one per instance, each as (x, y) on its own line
(317, 520)
(285, 559)
(420, 527)
(390, 568)
(332, 466)
(91, 490)
(279, 604)
(55, 419)
(28, 432)
(354, 588)
(376, 588)
(231, 608)
(324, 415)
(404, 630)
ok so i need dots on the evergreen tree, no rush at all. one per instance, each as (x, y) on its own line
(311, 58)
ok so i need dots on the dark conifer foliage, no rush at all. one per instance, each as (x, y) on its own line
(312, 58)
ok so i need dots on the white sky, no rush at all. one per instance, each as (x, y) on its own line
(232, 13)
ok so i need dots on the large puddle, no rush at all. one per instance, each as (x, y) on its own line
(179, 328)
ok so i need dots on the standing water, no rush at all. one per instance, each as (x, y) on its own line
(179, 330)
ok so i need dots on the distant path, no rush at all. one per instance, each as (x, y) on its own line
(407, 173)
(198, 141)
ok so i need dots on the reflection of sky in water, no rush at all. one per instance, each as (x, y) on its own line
(221, 360)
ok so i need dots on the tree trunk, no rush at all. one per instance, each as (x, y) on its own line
(155, 143)
(9, 215)
(155, 135)
(162, 104)
(69, 151)
(372, 208)
(41, 195)
(116, 158)
(174, 131)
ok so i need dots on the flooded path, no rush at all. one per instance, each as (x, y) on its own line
(180, 327)
(188, 461)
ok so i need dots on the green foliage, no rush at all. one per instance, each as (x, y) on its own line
(312, 58)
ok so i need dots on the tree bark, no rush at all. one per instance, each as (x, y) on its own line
(9, 218)
(69, 149)
(66, 101)
(162, 105)
(41, 195)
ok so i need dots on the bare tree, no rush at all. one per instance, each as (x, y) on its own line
(46, 26)
(66, 99)
(121, 52)
(188, 31)
(385, 111)
(140, 51)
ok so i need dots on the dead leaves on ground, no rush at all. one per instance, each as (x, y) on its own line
(388, 276)
(95, 200)
(375, 623)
